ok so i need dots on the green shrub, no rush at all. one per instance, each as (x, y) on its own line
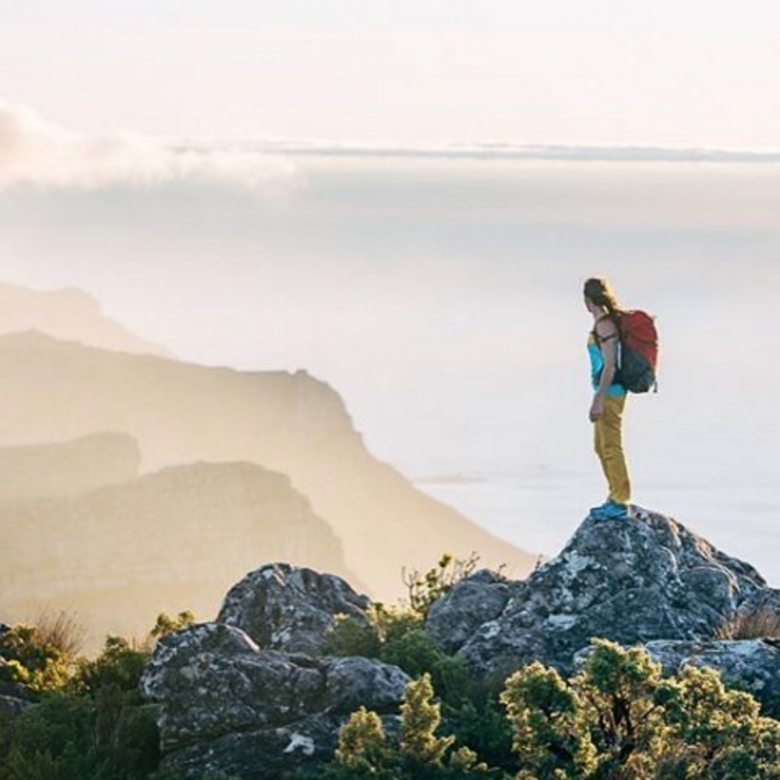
(72, 737)
(426, 588)
(417, 753)
(90, 723)
(168, 625)
(483, 727)
(33, 660)
(119, 665)
(621, 719)
(349, 636)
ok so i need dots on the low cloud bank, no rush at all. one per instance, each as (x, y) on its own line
(36, 153)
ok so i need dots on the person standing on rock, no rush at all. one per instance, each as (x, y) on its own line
(609, 400)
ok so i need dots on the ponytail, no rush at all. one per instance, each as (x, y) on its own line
(600, 292)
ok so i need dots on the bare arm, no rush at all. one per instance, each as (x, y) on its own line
(607, 332)
(608, 338)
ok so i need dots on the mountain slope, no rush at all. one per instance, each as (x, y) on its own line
(168, 541)
(68, 468)
(290, 423)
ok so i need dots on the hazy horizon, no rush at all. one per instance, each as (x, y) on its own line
(404, 200)
(442, 300)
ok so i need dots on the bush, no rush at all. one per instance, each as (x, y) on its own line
(72, 737)
(426, 588)
(119, 665)
(61, 630)
(364, 750)
(33, 661)
(483, 727)
(620, 719)
(349, 636)
(91, 722)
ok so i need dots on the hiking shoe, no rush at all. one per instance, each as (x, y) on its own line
(612, 510)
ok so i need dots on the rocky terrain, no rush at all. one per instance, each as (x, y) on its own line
(253, 693)
(237, 696)
(632, 582)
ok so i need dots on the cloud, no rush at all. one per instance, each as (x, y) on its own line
(485, 151)
(36, 153)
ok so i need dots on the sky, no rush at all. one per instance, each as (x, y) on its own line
(404, 198)
(674, 73)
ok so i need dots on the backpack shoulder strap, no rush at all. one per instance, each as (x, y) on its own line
(600, 339)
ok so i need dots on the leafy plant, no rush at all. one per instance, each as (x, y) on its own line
(425, 588)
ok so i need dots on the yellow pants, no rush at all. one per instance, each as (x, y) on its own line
(608, 442)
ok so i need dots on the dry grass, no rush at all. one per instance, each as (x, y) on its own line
(760, 623)
(60, 629)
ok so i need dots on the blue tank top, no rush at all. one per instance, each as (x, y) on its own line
(597, 366)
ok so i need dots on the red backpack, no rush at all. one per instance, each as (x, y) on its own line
(638, 356)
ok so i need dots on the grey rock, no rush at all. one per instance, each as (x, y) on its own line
(265, 754)
(11, 707)
(226, 704)
(750, 664)
(630, 581)
(290, 608)
(474, 600)
(213, 679)
(353, 681)
(15, 690)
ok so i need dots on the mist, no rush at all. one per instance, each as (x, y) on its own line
(442, 299)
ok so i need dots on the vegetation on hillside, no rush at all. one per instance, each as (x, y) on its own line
(618, 718)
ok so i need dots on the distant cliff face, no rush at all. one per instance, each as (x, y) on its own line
(169, 541)
(290, 423)
(69, 314)
(68, 468)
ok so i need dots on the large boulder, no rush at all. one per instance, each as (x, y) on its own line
(631, 581)
(474, 600)
(227, 705)
(290, 608)
(750, 664)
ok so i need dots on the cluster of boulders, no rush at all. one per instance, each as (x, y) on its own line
(255, 693)
(252, 693)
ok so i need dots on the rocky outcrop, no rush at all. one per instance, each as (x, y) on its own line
(238, 696)
(169, 541)
(227, 705)
(62, 469)
(283, 607)
(629, 581)
(287, 422)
